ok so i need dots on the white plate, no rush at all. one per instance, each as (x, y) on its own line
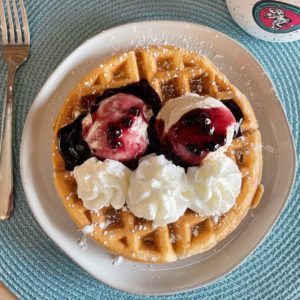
(279, 158)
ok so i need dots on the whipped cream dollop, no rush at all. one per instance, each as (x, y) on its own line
(158, 190)
(102, 183)
(214, 185)
(196, 143)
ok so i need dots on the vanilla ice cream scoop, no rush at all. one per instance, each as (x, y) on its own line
(194, 127)
(118, 128)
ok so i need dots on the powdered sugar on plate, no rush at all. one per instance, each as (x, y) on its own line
(117, 260)
(83, 236)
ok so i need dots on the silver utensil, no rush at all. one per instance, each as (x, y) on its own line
(15, 50)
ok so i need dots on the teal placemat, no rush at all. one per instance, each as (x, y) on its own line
(30, 264)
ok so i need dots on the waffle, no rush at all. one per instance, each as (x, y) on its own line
(172, 72)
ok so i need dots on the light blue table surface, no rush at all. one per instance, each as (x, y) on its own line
(31, 265)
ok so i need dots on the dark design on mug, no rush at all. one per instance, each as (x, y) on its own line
(276, 17)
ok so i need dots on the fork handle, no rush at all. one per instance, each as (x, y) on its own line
(6, 164)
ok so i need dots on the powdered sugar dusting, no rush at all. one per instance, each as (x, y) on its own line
(216, 219)
(82, 241)
(172, 238)
(102, 225)
(84, 234)
(195, 231)
(88, 229)
(117, 260)
(269, 149)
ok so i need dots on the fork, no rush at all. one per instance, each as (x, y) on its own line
(15, 50)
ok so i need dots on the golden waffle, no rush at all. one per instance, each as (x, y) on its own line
(172, 72)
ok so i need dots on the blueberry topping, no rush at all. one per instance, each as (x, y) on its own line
(135, 111)
(194, 149)
(190, 121)
(238, 114)
(207, 121)
(79, 148)
(210, 146)
(114, 131)
(205, 129)
(196, 119)
(221, 140)
(154, 142)
(115, 144)
(72, 147)
(127, 122)
(201, 120)
(211, 130)
(132, 164)
(73, 152)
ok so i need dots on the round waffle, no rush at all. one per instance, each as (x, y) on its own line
(172, 72)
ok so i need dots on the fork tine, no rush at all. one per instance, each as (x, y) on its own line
(3, 24)
(18, 28)
(25, 23)
(10, 24)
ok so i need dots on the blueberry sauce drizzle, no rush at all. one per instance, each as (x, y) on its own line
(127, 122)
(135, 111)
(72, 147)
(238, 114)
(114, 132)
(155, 146)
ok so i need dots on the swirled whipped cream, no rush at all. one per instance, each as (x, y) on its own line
(102, 183)
(214, 185)
(158, 190)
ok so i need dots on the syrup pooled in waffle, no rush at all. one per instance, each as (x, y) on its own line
(172, 72)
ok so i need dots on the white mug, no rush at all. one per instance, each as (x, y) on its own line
(269, 20)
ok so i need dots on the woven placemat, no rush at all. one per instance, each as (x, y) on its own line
(31, 265)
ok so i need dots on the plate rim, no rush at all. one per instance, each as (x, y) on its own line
(38, 99)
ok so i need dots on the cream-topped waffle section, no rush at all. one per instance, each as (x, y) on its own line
(172, 72)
